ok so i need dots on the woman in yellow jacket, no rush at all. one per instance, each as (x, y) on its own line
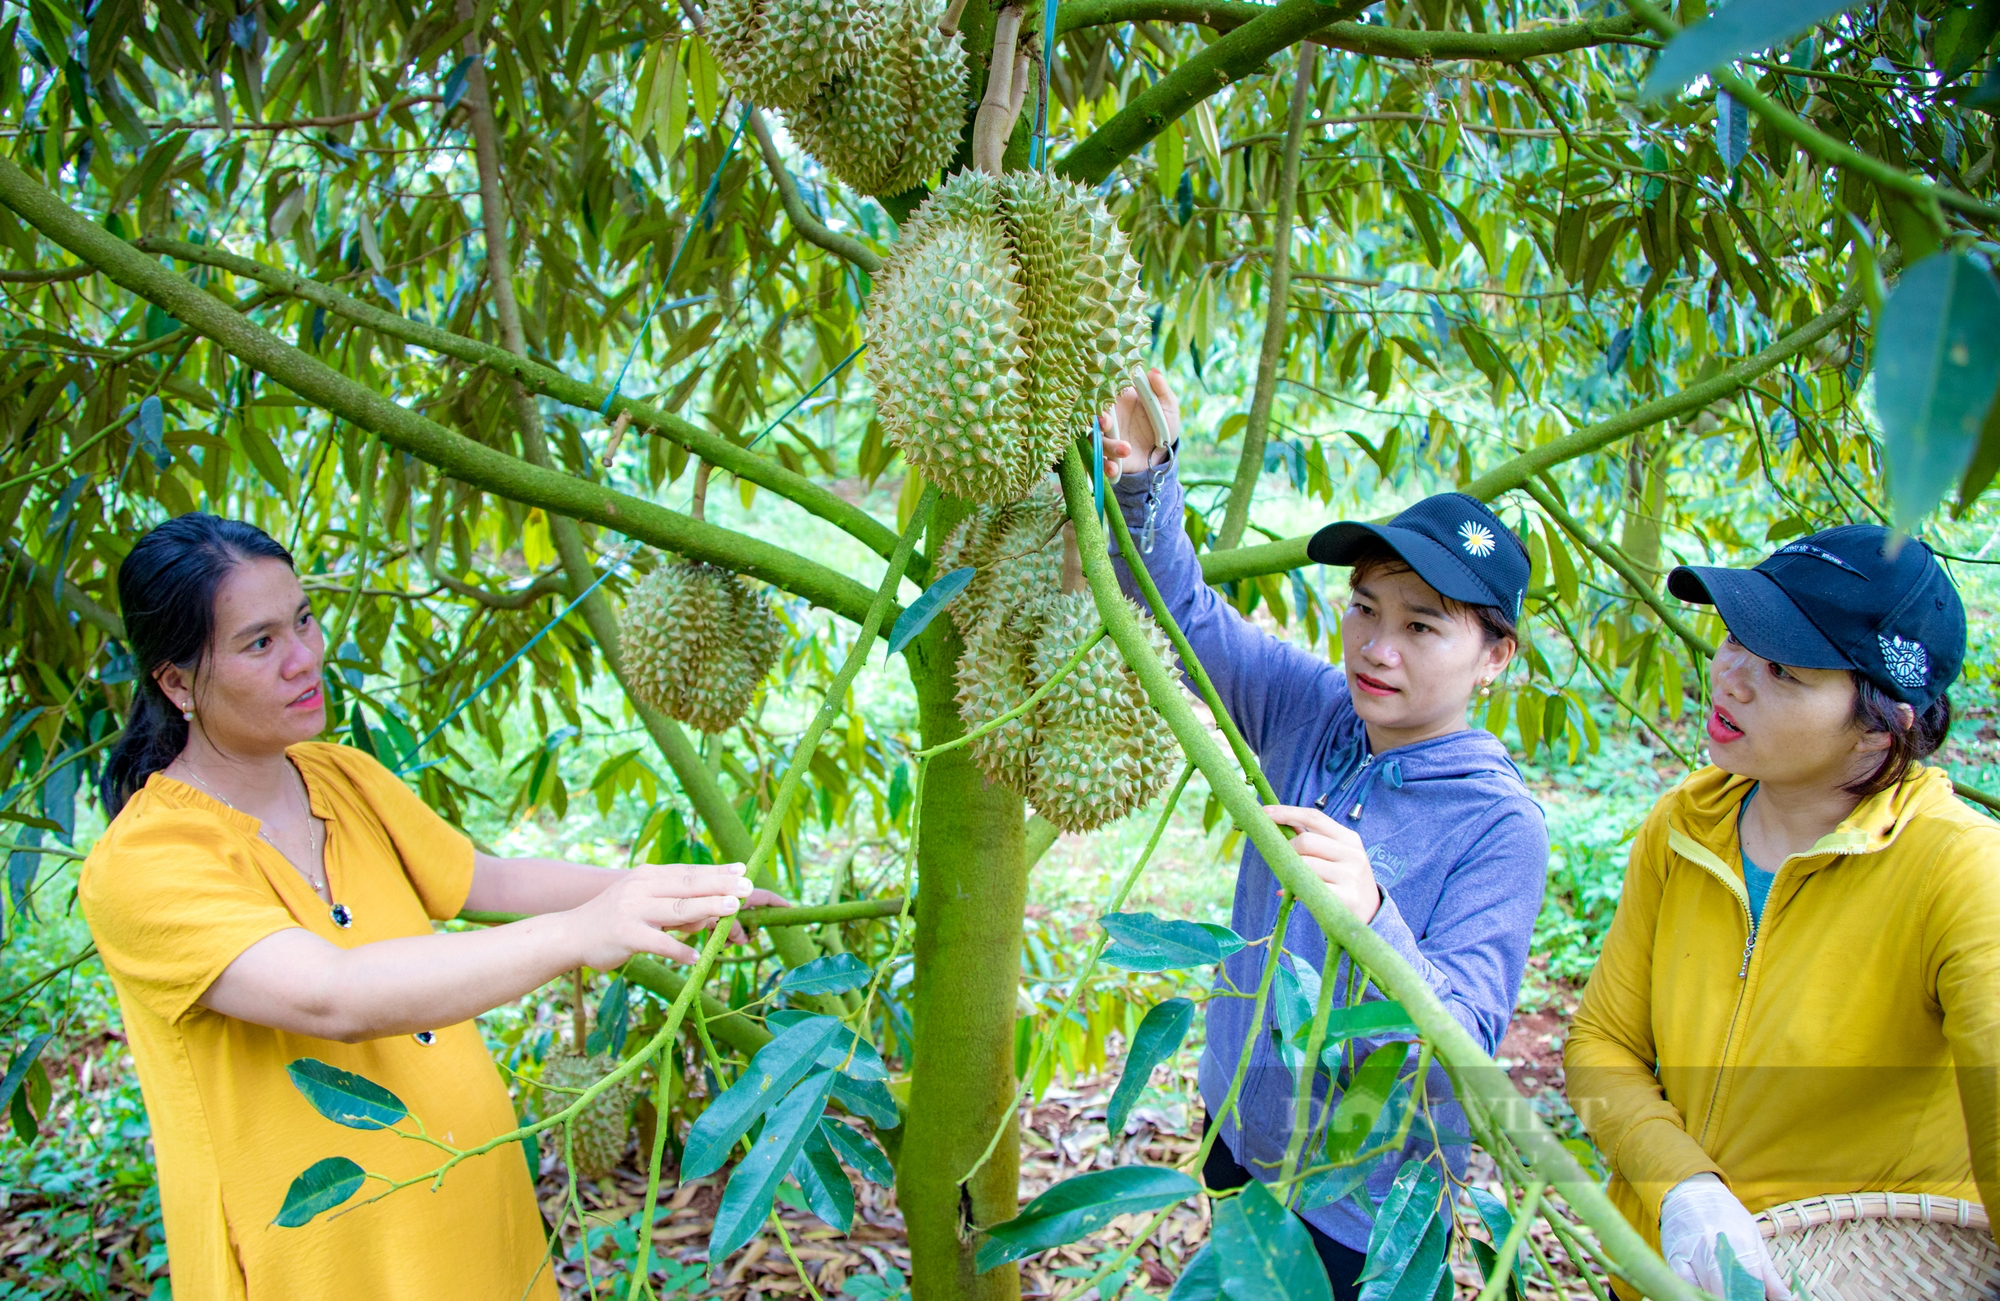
(1800, 992)
(260, 898)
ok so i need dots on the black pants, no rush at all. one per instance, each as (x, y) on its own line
(1343, 1263)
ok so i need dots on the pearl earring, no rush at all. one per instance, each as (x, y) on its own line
(188, 713)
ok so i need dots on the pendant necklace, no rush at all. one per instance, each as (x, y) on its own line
(315, 834)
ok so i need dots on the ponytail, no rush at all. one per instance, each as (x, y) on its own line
(167, 586)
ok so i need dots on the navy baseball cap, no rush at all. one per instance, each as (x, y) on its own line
(1844, 598)
(1452, 541)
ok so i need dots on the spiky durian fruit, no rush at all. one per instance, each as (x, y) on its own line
(780, 53)
(697, 642)
(895, 119)
(1009, 313)
(1101, 750)
(602, 1129)
(1094, 748)
(994, 677)
(1015, 549)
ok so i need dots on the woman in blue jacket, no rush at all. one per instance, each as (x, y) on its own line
(1419, 822)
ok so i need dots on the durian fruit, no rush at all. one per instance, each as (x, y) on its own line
(601, 1130)
(1015, 549)
(1094, 748)
(895, 119)
(1007, 316)
(780, 53)
(994, 677)
(697, 642)
(1101, 750)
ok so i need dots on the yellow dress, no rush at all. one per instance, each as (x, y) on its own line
(178, 886)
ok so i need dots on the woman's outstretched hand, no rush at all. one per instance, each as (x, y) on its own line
(1335, 854)
(638, 913)
(1129, 436)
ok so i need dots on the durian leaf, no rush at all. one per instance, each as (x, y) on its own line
(1367, 1093)
(324, 1185)
(858, 1150)
(344, 1097)
(777, 1066)
(1367, 1020)
(1498, 1218)
(829, 1192)
(1158, 1037)
(849, 1053)
(1738, 1283)
(869, 1099)
(1201, 1280)
(835, 973)
(1078, 1207)
(1395, 1243)
(1933, 378)
(746, 1200)
(1263, 1251)
(1143, 942)
(911, 623)
(1742, 27)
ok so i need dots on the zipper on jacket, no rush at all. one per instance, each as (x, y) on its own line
(1358, 787)
(1748, 946)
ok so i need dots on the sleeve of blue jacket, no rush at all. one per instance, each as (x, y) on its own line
(1266, 684)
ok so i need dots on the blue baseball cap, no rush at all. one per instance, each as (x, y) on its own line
(1843, 598)
(1451, 541)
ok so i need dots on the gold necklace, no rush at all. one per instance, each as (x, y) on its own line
(313, 834)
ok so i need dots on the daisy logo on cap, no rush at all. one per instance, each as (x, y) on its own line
(1476, 538)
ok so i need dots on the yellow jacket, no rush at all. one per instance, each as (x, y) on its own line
(1852, 1044)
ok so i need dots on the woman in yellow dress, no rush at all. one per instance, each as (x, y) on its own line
(260, 897)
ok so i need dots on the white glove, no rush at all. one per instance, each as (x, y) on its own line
(1695, 1212)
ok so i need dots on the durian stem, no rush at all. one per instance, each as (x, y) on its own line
(579, 1031)
(948, 25)
(1271, 358)
(618, 428)
(1072, 564)
(810, 228)
(698, 504)
(995, 120)
(1481, 1082)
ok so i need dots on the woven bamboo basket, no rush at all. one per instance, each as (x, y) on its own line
(1885, 1247)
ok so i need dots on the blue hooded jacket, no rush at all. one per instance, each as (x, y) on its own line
(1457, 844)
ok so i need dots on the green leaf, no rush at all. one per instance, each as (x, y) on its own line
(1367, 1093)
(344, 1097)
(1732, 130)
(324, 1185)
(1333, 1185)
(17, 1070)
(1738, 28)
(1499, 1221)
(1169, 158)
(869, 1099)
(1936, 371)
(613, 1018)
(1201, 1277)
(746, 1200)
(859, 1151)
(836, 973)
(829, 1192)
(777, 1066)
(1080, 1206)
(1738, 1283)
(1406, 1246)
(1158, 1037)
(1143, 942)
(1369, 1020)
(849, 1053)
(1263, 1251)
(911, 622)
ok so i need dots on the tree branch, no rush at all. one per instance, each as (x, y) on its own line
(1277, 312)
(549, 382)
(1363, 38)
(56, 276)
(810, 228)
(460, 457)
(1276, 557)
(1231, 58)
(1697, 645)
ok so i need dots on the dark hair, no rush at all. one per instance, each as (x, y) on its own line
(1493, 621)
(1875, 710)
(166, 590)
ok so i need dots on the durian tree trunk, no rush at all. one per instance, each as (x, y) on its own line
(973, 890)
